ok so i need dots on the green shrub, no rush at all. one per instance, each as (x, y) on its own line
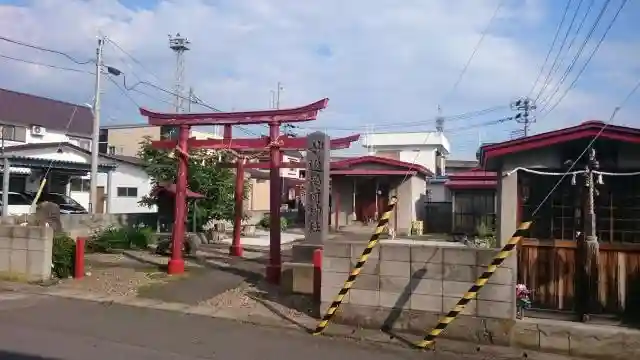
(265, 222)
(63, 255)
(112, 238)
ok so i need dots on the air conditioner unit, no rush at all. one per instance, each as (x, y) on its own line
(38, 130)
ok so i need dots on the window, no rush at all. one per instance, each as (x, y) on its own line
(80, 184)
(127, 192)
(13, 133)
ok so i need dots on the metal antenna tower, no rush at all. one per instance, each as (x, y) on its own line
(179, 45)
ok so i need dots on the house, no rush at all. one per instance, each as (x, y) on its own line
(122, 181)
(530, 187)
(28, 119)
(46, 138)
(125, 139)
(362, 186)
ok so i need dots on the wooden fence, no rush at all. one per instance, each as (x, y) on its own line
(548, 268)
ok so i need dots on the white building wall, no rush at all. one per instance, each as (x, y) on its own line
(129, 176)
(419, 148)
(439, 192)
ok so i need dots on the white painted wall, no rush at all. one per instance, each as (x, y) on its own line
(127, 175)
(439, 192)
(51, 136)
(419, 148)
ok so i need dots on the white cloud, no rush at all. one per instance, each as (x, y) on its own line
(380, 61)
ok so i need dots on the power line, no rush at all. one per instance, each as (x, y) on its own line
(139, 63)
(475, 50)
(32, 46)
(46, 65)
(575, 59)
(553, 44)
(124, 92)
(586, 63)
(575, 35)
(462, 116)
(554, 66)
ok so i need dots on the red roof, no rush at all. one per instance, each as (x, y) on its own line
(472, 179)
(340, 165)
(588, 129)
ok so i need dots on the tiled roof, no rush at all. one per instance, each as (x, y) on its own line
(25, 109)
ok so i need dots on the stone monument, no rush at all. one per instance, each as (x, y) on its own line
(316, 197)
(48, 214)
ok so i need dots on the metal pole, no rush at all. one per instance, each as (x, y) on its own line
(5, 178)
(95, 135)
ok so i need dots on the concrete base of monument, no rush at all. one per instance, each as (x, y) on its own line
(297, 278)
(303, 252)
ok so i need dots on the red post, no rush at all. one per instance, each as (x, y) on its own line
(227, 132)
(236, 246)
(176, 263)
(78, 268)
(275, 261)
(317, 273)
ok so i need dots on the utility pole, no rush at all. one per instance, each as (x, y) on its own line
(278, 90)
(95, 134)
(524, 106)
(190, 99)
(587, 246)
(440, 121)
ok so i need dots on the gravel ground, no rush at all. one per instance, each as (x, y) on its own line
(114, 274)
(264, 301)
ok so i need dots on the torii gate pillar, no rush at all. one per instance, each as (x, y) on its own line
(275, 263)
(176, 263)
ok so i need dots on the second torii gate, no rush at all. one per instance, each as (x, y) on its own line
(275, 143)
(285, 143)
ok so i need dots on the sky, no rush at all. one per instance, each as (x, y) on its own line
(385, 65)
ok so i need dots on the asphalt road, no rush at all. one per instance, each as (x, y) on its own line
(38, 327)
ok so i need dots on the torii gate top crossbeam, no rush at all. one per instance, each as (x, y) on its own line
(299, 114)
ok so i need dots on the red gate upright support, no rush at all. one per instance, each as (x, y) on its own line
(176, 263)
(273, 268)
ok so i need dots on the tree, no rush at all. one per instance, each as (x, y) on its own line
(204, 177)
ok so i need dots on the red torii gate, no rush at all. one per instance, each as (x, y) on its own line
(275, 144)
(284, 143)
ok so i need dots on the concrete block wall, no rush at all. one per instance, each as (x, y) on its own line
(408, 287)
(85, 224)
(25, 252)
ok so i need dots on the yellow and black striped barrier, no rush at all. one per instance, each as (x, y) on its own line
(472, 293)
(382, 224)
